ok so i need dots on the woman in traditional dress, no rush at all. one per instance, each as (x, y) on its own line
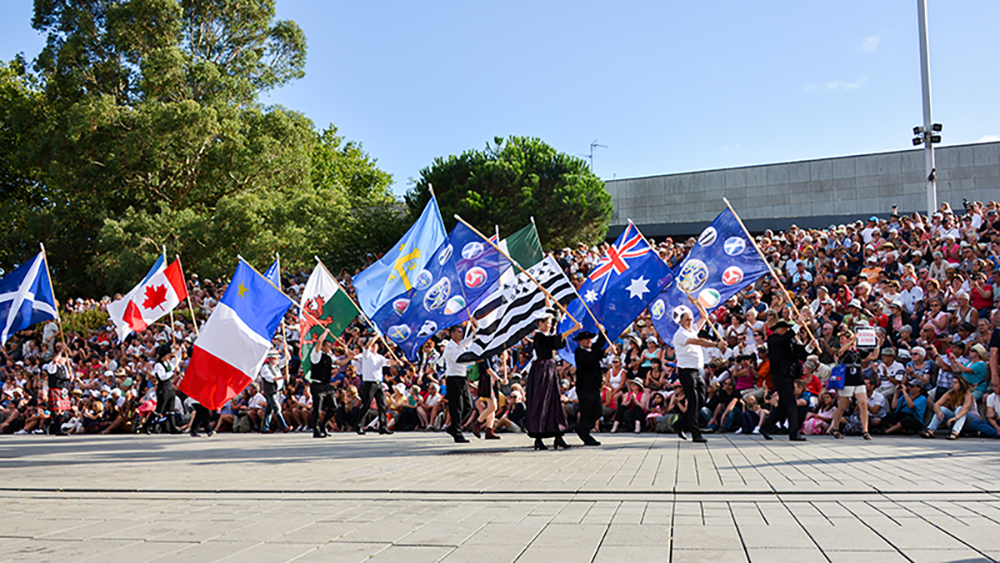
(545, 416)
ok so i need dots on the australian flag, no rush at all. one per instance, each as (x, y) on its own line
(462, 269)
(722, 262)
(619, 287)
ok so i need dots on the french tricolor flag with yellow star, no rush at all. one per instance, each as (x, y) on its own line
(234, 342)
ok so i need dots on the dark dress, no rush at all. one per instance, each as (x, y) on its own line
(545, 416)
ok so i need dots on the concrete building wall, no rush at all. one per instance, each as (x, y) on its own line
(808, 193)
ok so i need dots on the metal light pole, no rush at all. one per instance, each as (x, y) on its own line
(925, 79)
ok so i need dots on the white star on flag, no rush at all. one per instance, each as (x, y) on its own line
(638, 287)
(590, 296)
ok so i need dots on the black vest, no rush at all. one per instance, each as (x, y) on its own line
(320, 371)
(59, 379)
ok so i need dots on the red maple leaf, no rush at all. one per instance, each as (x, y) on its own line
(155, 296)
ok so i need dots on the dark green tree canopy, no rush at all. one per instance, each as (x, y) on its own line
(141, 127)
(512, 181)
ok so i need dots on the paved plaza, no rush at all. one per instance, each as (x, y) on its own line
(417, 497)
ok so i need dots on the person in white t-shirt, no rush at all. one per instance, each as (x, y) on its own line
(993, 411)
(690, 362)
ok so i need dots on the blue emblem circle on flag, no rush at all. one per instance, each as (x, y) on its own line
(693, 275)
(400, 306)
(437, 295)
(735, 246)
(732, 276)
(678, 312)
(657, 309)
(708, 237)
(454, 305)
(424, 280)
(399, 333)
(475, 277)
(445, 255)
(429, 328)
(472, 250)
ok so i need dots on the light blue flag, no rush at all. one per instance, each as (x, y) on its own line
(26, 297)
(396, 272)
(273, 274)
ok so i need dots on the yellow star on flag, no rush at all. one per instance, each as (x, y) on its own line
(241, 289)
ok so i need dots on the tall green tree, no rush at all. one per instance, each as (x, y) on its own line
(140, 126)
(513, 180)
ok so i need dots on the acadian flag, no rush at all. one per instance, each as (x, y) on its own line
(155, 296)
(324, 305)
(234, 342)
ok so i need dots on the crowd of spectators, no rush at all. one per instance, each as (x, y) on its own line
(928, 286)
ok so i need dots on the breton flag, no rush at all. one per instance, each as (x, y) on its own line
(26, 297)
(234, 342)
(158, 294)
(515, 309)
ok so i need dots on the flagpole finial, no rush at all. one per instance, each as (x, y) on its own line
(430, 188)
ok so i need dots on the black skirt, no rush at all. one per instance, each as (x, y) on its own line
(545, 416)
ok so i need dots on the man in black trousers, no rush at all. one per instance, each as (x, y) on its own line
(785, 354)
(589, 381)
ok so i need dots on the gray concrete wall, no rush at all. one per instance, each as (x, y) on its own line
(808, 193)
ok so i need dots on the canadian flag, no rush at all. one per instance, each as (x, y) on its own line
(161, 291)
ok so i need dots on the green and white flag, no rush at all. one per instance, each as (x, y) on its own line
(324, 305)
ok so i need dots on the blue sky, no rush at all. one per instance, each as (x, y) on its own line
(667, 86)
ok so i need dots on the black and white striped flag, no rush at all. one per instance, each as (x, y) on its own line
(515, 308)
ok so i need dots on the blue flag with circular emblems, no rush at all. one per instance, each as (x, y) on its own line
(722, 262)
(462, 269)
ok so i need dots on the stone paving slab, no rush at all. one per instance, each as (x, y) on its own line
(419, 497)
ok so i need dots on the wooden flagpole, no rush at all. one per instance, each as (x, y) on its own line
(284, 339)
(753, 241)
(173, 340)
(194, 319)
(62, 333)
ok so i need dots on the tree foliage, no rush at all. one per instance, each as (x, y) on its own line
(512, 181)
(140, 127)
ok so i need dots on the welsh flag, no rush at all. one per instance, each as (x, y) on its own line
(158, 294)
(324, 305)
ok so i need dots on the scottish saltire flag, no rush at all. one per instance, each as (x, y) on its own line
(395, 273)
(458, 274)
(274, 273)
(722, 262)
(619, 287)
(26, 297)
(156, 295)
(235, 340)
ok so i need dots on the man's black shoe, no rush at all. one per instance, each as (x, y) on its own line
(361, 431)
(591, 442)
(699, 439)
(384, 431)
(765, 435)
(459, 439)
(797, 438)
(682, 435)
(318, 435)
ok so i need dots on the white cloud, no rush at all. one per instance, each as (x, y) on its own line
(837, 85)
(989, 139)
(870, 43)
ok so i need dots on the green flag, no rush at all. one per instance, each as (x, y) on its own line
(324, 305)
(524, 246)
